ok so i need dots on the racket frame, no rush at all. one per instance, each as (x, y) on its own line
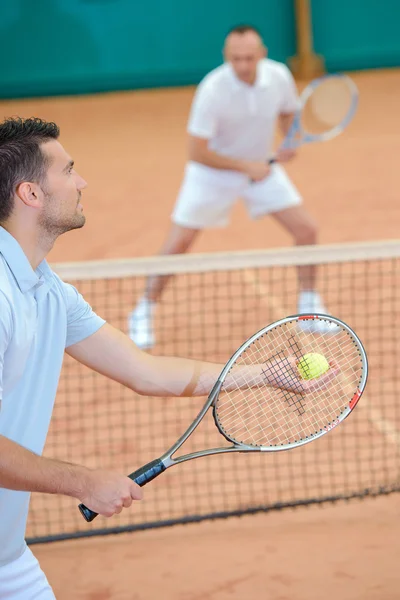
(296, 135)
(154, 468)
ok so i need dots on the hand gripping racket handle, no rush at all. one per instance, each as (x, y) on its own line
(142, 476)
(270, 161)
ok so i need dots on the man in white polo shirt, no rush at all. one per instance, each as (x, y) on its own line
(40, 318)
(231, 130)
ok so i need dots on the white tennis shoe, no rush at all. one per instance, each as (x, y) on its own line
(310, 303)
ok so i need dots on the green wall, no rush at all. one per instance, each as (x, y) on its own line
(79, 46)
(357, 34)
(70, 46)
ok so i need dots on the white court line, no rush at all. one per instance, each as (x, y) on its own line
(385, 427)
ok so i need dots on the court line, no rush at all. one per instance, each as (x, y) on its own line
(384, 426)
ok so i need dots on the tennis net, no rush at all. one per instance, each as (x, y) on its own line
(214, 302)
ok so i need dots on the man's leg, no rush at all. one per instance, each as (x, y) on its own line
(278, 197)
(178, 241)
(302, 227)
(299, 223)
(204, 201)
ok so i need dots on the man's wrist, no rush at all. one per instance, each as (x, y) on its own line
(75, 480)
(243, 166)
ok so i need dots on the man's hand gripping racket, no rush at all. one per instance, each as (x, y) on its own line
(327, 106)
(269, 398)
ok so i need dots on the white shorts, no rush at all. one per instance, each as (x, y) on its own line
(207, 195)
(23, 579)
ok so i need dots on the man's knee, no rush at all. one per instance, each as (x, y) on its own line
(306, 233)
(179, 240)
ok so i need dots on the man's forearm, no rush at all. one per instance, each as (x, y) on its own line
(171, 376)
(217, 161)
(186, 377)
(285, 122)
(23, 470)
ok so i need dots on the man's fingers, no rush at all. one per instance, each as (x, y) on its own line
(324, 380)
(136, 491)
(311, 385)
(127, 501)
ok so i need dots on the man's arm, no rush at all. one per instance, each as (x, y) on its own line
(288, 108)
(202, 127)
(200, 152)
(285, 121)
(103, 491)
(112, 353)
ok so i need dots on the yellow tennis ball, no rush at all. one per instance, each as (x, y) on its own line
(312, 365)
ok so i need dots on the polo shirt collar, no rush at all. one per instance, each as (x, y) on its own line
(19, 264)
(263, 75)
(262, 81)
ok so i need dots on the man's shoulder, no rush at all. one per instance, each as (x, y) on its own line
(217, 77)
(61, 287)
(5, 282)
(275, 68)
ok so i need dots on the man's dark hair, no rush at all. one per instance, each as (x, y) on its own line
(241, 29)
(21, 158)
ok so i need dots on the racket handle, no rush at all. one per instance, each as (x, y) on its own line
(87, 514)
(140, 476)
(147, 473)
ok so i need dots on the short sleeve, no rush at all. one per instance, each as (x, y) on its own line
(6, 329)
(203, 114)
(82, 321)
(290, 98)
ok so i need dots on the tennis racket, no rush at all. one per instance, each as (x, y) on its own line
(262, 403)
(327, 105)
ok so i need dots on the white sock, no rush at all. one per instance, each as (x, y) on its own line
(309, 301)
(145, 307)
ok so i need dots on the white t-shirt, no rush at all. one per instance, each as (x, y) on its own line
(239, 119)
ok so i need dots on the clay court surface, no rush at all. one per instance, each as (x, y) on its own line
(130, 147)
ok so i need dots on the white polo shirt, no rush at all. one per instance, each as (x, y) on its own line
(40, 316)
(239, 119)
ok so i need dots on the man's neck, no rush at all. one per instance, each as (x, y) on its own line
(34, 243)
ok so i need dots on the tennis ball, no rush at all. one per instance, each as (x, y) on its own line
(312, 365)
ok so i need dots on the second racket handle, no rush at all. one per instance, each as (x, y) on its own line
(141, 477)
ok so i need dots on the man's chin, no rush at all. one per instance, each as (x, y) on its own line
(80, 222)
(77, 223)
(246, 78)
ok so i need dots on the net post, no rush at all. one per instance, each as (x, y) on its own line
(306, 64)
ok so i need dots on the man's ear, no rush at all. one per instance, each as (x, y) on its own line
(30, 194)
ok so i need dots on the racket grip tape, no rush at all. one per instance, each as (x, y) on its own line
(148, 472)
(141, 477)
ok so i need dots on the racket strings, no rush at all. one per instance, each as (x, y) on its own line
(328, 106)
(256, 414)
